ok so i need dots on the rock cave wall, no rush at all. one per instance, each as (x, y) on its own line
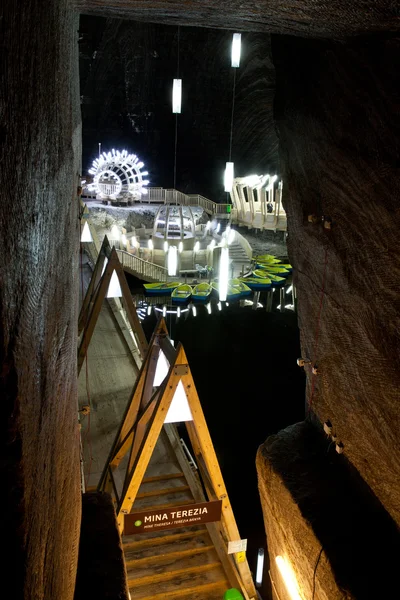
(294, 17)
(337, 115)
(126, 82)
(40, 146)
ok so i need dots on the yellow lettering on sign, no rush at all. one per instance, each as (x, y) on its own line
(240, 557)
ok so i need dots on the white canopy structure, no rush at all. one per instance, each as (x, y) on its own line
(257, 202)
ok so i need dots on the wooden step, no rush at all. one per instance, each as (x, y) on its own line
(165, 545)
(182, 573)
(163, 477)
(206, 591)
(180, 499)
(143, 540)
(180, 583)
(163, 566)
(162, 492)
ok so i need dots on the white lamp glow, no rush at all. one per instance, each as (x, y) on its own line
(228, 177)
(223, 273)
(288, 577)
(177, 96)
(114, 289)
(260, 566)
(236, 49)
(196, 247)
(161, 369)
(115, 232)
(150, 245)
(123, 239)
(149, 310)
(209, 308)
(178, 312)
(194, 309)
(164, 310)
(180, 246)
(86, 235)
(231, 236)
(179, 409)
(172, 260)
(133, 240)
(212, 245)
(165, 246)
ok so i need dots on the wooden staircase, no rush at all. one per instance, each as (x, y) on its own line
(177, 563)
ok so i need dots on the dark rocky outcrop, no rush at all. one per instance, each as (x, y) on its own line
(337, 114)
(323, 519)
(313, 18)
(101, 567)
(39, 166)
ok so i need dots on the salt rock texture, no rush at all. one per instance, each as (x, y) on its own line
(338, 120)
(101, 568)
(39, 166)
(323, 520)
(312, 18)
(126, 80)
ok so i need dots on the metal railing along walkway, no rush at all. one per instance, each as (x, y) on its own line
(170, 196)
(141, 268)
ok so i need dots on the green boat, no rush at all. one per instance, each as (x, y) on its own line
(201, 292)
(160, 289)
(266, 271)
(242, 287)
(267, 258)
(256, 283)
(276, 280)
(181, 293)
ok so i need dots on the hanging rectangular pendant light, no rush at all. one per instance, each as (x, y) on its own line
(236, 48)
(177, 96)
(228, 178)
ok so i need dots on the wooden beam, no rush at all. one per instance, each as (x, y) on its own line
(93, 284)
(143, 456)
(94, 314)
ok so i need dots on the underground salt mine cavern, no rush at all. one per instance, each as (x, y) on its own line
(200, 300)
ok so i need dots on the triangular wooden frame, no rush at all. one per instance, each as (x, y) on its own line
(142, 425)
(96, 293)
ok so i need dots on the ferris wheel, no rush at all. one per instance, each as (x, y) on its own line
(118, 175)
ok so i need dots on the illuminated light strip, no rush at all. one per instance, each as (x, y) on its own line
(172, 260)
(177, 96)
(260, 566)
(236, 49)
(223, 273)
(288, 577)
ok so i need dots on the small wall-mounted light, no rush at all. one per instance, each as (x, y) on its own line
(339, 447)
(288, 577)
(150, 245)
(303, 361)
(328, 427)
(315, 370)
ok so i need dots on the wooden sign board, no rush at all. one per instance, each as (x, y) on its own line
(179, 516)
